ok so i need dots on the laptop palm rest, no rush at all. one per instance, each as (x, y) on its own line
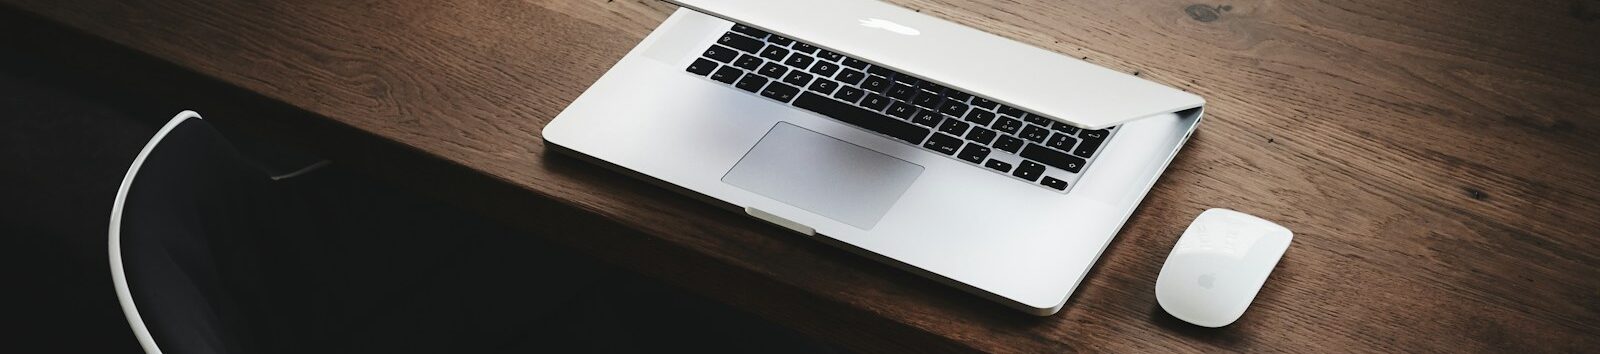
(827, 176)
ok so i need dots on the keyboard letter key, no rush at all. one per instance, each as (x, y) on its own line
(781, 92)
(740, 42)
(702, 67)
(1053, 158)
(863, 118)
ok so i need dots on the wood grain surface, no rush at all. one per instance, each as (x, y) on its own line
(1439, 161)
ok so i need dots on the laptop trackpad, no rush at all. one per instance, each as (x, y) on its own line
(823, 175)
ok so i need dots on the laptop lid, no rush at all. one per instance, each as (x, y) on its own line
(1002, 70)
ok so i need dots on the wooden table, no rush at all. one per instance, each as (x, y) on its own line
(1438, 160)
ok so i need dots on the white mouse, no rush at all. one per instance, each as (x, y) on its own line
(1218, 265)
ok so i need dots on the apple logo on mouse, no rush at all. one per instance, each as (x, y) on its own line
(1208, 280)
(891, 26)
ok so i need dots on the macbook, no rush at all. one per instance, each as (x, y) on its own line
(987, 164)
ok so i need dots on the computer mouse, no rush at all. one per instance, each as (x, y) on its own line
(1218, 265)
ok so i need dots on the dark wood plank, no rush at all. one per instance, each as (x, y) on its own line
(1436, 159)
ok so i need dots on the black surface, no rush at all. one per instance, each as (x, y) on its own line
(67, 137)
(61, 158)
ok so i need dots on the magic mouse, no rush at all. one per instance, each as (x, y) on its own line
(1218, 265)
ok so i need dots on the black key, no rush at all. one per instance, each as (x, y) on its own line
(829, 56)
(780, 40)
(1091, 142)
(748, 62)
(1061, 141)
(875, 102)
(931, 87)
(781, 92)
(980, 135)
(980, 117)
(773, 70)
(751, 31)
(849, 94)
(720, 53)
(825, 69)
(880, 71)
(876, 83)
(1064, 128)
(926, 117)
(1093, 134)
(824, 86)
(799, 61)
(953, 108)
(1008, 143)
(1007, 125)
(774, 53)
(727, 74)
(752, 83)
(1053, 158)
(1035, 133)
(805, 48)
(857, 64)
(943, 144)
(928, 100)
(901, 110)
(974, 153)
(1011, 111)
(702, 66)
(1052, 182)
(983, 102)
(740, 42)
(998, 165)
(851, 77)
(954, 127)
(1029, 171)
(1037, 119)
(797, 78)
(862, 118)
(902, 92)
(1087, 148)
(957, 95)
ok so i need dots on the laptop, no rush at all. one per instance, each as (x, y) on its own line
(990, 165)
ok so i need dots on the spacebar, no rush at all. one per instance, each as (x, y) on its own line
(860, 117)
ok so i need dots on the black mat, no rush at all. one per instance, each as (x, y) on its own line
(66, 139)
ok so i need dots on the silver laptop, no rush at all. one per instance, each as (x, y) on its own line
(990, 165)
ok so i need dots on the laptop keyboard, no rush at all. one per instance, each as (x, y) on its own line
(985, 134)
